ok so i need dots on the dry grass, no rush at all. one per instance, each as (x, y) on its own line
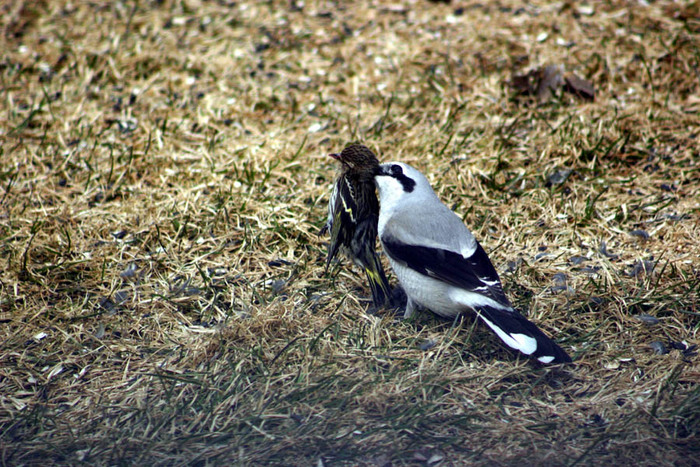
(164, 176)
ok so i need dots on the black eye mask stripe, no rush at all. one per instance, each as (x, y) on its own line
(407, 183)
(395, 171)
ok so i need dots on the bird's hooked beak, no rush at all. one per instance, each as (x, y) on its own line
(380, 170)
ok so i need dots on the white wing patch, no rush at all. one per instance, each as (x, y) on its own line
(521, 342)
(474, 299)
(488, 283)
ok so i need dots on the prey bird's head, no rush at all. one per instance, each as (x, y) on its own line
(357, 158)
(398, 182)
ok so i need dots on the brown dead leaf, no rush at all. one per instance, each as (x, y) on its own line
(544, 82)
(524, 84)
(551, 79)
(579, 87)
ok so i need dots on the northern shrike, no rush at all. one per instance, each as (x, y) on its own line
(442, 267)
(353, 211)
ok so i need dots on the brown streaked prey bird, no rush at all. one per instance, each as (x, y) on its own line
(353, 213)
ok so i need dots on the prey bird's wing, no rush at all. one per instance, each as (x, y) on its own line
(342, 216)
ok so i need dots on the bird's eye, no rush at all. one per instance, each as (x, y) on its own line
(396, 170)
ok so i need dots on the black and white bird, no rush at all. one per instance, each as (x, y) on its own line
(353, 212)
(442, 267)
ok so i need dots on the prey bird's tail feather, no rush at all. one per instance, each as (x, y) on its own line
(365, 255)
(362, 252)
(378, 283)
(520, 334)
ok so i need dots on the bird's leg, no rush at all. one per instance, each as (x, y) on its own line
(411, 309)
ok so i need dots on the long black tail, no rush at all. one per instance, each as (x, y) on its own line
(520, 334)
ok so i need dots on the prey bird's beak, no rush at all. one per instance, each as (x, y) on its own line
(335, 156)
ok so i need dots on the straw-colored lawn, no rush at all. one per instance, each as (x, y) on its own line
(163, 178)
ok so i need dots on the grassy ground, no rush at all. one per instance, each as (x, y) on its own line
(164, 175)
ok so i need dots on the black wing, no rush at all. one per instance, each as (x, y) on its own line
(475, 273)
